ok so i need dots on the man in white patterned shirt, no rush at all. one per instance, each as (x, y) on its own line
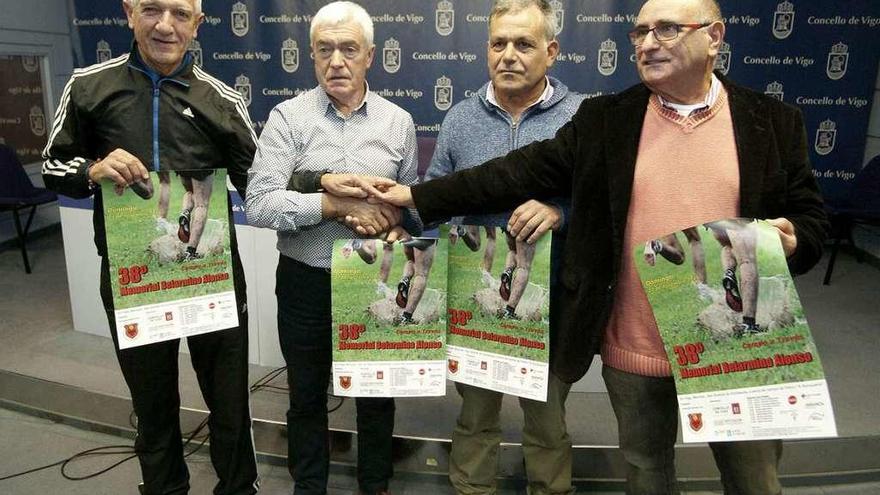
(343, 127)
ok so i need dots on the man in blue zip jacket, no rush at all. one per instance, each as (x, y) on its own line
(154, 108)
(520, 104)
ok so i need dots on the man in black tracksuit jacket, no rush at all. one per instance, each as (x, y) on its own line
(153, 108)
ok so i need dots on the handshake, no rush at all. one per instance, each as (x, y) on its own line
(370, 205)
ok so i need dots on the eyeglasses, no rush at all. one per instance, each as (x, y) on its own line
(664, 31)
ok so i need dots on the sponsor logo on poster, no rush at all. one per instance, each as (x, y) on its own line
(443, 93)
(838, 59)
(783, 20)
(243, 86)
(607, 62)
(453, 366)
(289, 55)
(391, 56)
(131, 330)
(240, 20)
(345, 382)
(735, 408)
(826, 137)
(444, 18)
(695, 421)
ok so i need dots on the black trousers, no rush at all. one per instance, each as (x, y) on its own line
(304, 326)
(151, 372)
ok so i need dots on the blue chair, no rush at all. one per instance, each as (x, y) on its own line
(18, 193)
(861, 207)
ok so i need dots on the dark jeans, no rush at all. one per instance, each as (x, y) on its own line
(304, 326)
(220, 362)
(647, 419)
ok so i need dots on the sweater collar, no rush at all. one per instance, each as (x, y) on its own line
(686, 109)
(555, 92)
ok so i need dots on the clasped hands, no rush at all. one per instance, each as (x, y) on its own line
(372, 206)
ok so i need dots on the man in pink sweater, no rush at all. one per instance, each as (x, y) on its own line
(685, 147)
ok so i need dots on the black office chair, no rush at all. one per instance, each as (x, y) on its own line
(861, 207)
(18, 193)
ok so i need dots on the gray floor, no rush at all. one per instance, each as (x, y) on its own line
(36, 339)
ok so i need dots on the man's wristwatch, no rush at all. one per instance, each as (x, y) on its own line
(318, 175)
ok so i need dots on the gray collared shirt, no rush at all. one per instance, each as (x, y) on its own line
(307, 133)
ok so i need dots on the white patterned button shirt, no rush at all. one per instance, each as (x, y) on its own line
(307, 133)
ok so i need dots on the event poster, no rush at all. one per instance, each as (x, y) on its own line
(389, 317)
(169, 253)
(499, 336)
(744, 362)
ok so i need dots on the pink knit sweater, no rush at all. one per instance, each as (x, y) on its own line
(686, 173)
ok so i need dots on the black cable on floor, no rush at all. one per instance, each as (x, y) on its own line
(261, 384)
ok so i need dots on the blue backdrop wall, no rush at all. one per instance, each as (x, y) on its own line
(821, 56)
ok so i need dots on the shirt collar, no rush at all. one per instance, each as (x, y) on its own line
(685, 110)
(332, 108)
(546, 95)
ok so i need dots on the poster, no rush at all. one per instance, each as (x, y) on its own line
(170, 258)
(389, 317)
(499, 332)
(744, 361)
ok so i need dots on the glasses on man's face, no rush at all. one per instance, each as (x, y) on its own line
(663, 31)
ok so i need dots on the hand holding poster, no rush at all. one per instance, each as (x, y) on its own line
(389, 341)
(499, 335)
(170, 280)
(744, 362)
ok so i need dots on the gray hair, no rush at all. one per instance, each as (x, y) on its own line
(502, 7)
(337, 13)
(197, 4)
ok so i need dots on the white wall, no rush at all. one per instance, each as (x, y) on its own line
(38, 27)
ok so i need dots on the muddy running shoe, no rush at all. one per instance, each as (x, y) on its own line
(506, 313)
(183, 229)
(470, 242)
(506, 279)
(402, 292)
(746, 329)
(731, 291)
(191, 256)
(403, 319)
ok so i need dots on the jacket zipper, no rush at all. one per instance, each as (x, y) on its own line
(513, 127)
